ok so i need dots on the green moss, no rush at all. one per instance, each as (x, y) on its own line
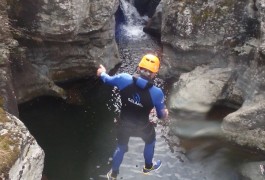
(207, 12)
(1, 101)
(8, 153)
(8, 147)
(3, 117)
(227, 3)
(203, 16)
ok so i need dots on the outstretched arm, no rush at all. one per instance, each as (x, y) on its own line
(119, 80)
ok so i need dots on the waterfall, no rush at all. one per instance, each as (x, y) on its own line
(134, 23)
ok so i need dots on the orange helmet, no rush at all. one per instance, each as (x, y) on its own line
(150, 62)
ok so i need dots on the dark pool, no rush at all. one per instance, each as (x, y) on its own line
(77, 136)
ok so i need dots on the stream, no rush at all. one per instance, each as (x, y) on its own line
(78, 135)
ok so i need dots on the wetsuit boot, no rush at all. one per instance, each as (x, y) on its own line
(155, 166)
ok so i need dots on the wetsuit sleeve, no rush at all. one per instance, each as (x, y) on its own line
(120, 80)
(158, 101)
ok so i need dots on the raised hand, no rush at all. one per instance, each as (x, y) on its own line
(101, 69)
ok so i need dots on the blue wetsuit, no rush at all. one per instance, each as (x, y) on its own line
(138, 98)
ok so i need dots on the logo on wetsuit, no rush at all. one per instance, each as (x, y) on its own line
(136, 100)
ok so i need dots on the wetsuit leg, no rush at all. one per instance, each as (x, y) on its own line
(118, 157)
(149, 154)
(122, 147)
(149, 137)
(148, 133)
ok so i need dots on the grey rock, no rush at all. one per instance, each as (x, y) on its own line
(199, 90)
(23, 149)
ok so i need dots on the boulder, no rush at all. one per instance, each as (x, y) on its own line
(21, 157)
(199, 33)
(200, 89)
(252, 171)
(60, 41)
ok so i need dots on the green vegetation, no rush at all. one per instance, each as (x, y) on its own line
(3, 117)
(8, 153)
(8, 147)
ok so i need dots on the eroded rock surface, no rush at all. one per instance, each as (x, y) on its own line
(21, 156)
(223, 35)
(198, 90)
(60, 41)
(200, 32)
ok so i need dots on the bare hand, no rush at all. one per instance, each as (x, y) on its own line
(101, 69)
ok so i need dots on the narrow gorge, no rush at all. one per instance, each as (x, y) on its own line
(56, 117)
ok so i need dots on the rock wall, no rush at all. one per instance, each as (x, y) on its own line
(20, 155)
(226, 40)
(205, 32)
(60, 41)
(261, 8)
(198, 90)
(7, 100)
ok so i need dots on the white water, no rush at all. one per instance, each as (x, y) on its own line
(134, 24)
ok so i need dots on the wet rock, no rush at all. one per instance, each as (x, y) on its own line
(61, 41)
(196, 33)
(195, 128)
(152, 31)
(200, 89)
(31, 81)
(246, 126)
(225, 35)
(252, 171)
(261, 9)
(21, 156)
(7, 95)
(262, 49)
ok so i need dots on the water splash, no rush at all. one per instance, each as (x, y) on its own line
(134, 23)
(131, 14)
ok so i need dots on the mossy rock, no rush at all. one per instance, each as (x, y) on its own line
(3, 117)
(8, 153)
(8, 147)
